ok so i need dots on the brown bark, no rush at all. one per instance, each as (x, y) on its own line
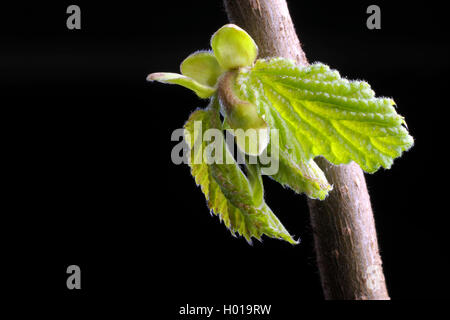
(344, 229)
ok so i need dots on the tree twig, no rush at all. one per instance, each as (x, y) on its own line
(344, 229)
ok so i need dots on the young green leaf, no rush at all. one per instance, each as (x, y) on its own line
(226, 188)
(319, 113)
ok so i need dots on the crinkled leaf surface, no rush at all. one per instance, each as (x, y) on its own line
(226, 188)
(319, 113)
(202, 90)
(202, 66)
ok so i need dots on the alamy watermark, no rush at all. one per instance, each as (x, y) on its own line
(210, 148)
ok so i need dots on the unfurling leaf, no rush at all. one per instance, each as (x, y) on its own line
(301, 176)
(229, 193)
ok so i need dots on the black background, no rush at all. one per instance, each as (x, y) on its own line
(88, 144)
